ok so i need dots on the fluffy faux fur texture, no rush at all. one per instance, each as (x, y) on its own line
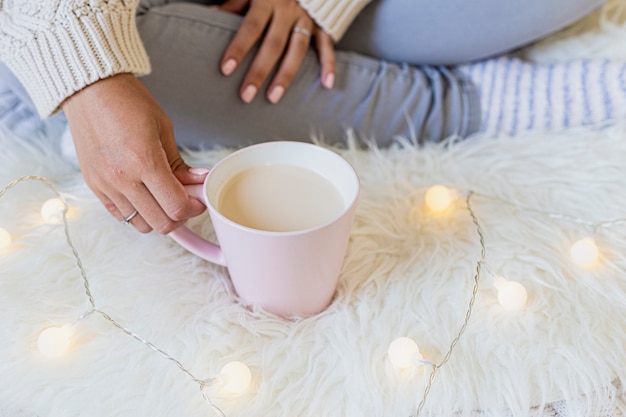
(600, 35)
(407, 273)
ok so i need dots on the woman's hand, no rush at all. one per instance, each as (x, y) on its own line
(127, 152)
(284, 29)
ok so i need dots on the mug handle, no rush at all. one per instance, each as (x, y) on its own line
(192, 241)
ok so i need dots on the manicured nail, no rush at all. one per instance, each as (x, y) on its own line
(229, 66)
(276, 94)
(329, 80)
(198, 171)
(248, 93)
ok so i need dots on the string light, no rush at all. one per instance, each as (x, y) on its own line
(404, 353)
(585, 253)
(235, 378)
(52, 211)
(512, 295)
(55, 341)
(5, 238)
(438, 198)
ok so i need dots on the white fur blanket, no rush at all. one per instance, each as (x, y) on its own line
(407, 273)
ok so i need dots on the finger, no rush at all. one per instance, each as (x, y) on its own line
(326, 53)
(144, 201)
(164, 185)
(252, 27)
(165, 205)
(190, 176)
(135, 220)
(267, 57)
(234, 6)
(122, 209)
(299, 43)
(135, 195)
(183, 173)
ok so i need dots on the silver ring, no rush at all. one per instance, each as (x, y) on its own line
(128, 218)
(300, 29)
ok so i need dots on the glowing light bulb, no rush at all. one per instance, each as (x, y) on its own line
(512, 295)
(438, 198)
(52, 211)
(585, 253)
(235, 377)
(5, 238)
(55, 341)
(404, 353)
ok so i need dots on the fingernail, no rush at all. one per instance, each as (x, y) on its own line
(329, 80)
(229, 66)
(248, 93)
(276, 94)
(198, 171)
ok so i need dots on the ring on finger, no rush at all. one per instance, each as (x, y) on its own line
(300, 29)
(128, 218)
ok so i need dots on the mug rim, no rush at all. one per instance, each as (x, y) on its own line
(345, 211)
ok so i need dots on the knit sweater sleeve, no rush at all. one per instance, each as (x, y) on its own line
(58, 47)
(334, 16)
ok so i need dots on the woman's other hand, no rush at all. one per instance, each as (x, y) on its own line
(284, 30)
(127, 152)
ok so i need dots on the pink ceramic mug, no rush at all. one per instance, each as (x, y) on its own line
(288, 273)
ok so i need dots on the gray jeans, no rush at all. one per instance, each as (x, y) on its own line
(395, 73)
(386, 84)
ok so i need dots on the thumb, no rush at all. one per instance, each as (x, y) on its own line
(183, 172)
(190, 176)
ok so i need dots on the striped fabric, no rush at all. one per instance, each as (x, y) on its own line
(518, 96)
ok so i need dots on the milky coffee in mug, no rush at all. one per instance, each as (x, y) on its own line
(282, 213)
(279, 198)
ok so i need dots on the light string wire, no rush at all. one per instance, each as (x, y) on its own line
(203, 383)
(559, 216)
(68, 238)
(477, 275)
(482, 263)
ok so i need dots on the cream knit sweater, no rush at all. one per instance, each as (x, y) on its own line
(57, 47)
